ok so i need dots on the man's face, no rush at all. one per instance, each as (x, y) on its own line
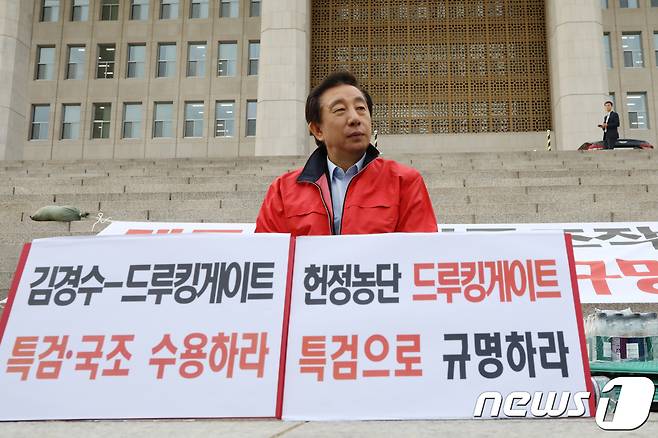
(608, 107)
(345, 121)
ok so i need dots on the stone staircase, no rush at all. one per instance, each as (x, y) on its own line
(510, 187)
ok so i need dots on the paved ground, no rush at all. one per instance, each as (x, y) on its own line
(581, 428)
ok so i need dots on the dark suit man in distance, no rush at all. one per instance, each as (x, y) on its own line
(609, 126)
(345, 186)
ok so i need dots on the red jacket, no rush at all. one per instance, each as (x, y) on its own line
(384, 197)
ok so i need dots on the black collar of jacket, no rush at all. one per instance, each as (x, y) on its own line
(317, 163)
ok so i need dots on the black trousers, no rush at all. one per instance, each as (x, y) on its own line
(609, 141)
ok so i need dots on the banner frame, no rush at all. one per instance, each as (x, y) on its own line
(284, 330)
(579, 320)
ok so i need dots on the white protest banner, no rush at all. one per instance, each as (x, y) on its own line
(418, 326)
(616, 262)
(122, 227)
(145, 327)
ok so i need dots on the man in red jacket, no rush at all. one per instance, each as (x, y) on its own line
(345, 187)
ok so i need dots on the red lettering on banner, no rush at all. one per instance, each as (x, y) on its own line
(49, 369)
(650, 269)
(53, 352)
(421, 283)
(193, 367)
(448, 280)
(345, 369)
(257, 347)
(177, 231)
(88, 357)
(119, 349)
(373, 357)
(227, 349)
(597, 275)
(162, 362)
(222, 352)
(22, 355)
(536, 279)
(345, 364)
(313, 356)
(404, 357)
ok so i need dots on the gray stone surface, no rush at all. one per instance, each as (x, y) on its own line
(148, 428)
(582, 428)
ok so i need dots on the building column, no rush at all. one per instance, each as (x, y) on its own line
(283, 77)
(15, 38)
(579, 82)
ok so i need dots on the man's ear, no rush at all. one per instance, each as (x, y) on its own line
(316, 131)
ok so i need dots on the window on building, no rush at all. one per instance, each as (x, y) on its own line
(655, 46)
(229, 8)
(168, 9)
(80, 10)
(227, 58)
(109, 10)
(636, 106)
(106, 56)
(139, 9)
(225, 118)
(254, 8)
(196, 59)
(163, 125)
(607, 48)
(631, 4)
(132, 120)
(49, 10)
(136, 60)
(654, 3)
(631, 44)
(254, 54)
(70, 122)
(199, 9)
(166, 60)
(604, 4)
(251, 118)
(39, 124)
(193, 119)
(45, 63)
(75, 68)
(100, 127)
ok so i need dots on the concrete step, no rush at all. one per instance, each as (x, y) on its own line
(9, 254)
(128, 206)
(219, 215)
(5, 280)
(77, 198)
(36, 226)
(627, 189)
(476, 181)
(628, 180)
(547, 217)
(43, 189)
(180, 188)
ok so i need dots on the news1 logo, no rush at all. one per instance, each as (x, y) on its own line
(627, 411)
